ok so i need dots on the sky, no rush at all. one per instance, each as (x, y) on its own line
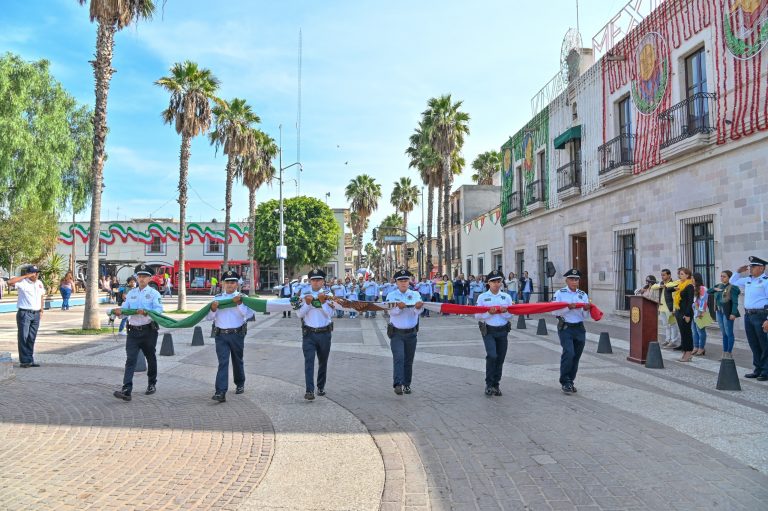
(368, 70)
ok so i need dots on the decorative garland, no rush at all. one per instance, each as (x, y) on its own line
(738, 47)
(154, 230)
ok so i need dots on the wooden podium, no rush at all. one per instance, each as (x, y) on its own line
(643, 327)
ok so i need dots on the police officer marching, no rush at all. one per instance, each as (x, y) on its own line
(229, 328)
(755, 288)
(494, 327)
(570, 328)
(315, 313)
(402, 330)
(142, 331)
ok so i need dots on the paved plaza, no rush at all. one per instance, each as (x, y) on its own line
(632, 438)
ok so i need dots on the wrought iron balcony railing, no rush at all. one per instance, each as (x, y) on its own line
(616, 152)
(687, 118)
(569, 176)
(534, 192)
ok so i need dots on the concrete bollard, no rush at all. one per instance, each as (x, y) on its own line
(166, 349)
(141, 362)
(541, 329)
(604, 344)
(728, 378)
(653, 360)
(521, 323)
(197, 337)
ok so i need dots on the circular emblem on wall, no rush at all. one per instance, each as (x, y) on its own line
(650, 73)
(528, 160)
(745, 27)
(508, 163)
(635, 315)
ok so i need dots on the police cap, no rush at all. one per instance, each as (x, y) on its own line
(573, 273)
(494, 275)
(317, 273)
(230, 275)
(143, 269)
(756, 261)
(403, 275)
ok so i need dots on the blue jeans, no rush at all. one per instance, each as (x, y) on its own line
(699, 336)
(495, 352)
(339, 313)
(726, 327)
(526, 296)
(461, 299)
(316, 344)
(230, 345)
(403, 348)
(370, 299)
(27, 323)
(146, 341)
(572, 340)
(513, 295)
(123, 322)
(758, 341)
(65, 294)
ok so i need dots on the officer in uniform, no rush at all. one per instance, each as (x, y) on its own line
(402, 330)
(315, 313)
(755, 288)
(570, 328)
(142, 331)
(495, 327)
(229, 328)
(286, 292)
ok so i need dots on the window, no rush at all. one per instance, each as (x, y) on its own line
(543, 259)
(480, 268)
(520, 262)
(213, 247)
(625, 128)
(469, 266)
(626, 268)
(695, 89)
(157, 247)
(497, 262)
(102, 248)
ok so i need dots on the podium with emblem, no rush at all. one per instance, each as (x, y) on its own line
(643, 327)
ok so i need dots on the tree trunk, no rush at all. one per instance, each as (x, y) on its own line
(74, 250)
(405, 246)
(447, 178)
(430, 201)
(228, 209)
(186, 144)
(102, 72)
(251, 229)
(439, 229)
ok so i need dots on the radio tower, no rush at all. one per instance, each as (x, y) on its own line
(298, 126)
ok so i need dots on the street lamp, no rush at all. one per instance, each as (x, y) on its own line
(282, 252)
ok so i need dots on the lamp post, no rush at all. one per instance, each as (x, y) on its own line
(282, 251)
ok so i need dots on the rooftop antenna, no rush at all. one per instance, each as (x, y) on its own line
(298, 123)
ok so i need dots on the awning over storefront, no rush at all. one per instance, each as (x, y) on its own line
(568, 135)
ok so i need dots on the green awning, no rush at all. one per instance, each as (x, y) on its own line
(568, 135)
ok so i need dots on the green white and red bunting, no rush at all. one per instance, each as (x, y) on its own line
(479, 222)
(468, 228)
(494, 216)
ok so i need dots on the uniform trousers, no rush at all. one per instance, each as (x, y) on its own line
(316, 344)
(496, 343)
(403, 348)
(758, 341)
(27, 323)
(146, 341)
(230, 345)
(572, 340)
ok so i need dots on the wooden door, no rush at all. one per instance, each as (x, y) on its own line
(580, 262)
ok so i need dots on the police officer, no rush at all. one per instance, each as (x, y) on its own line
(570, 328)
(29, 312)
(286, 292)
(755, 288)
(494, 326)
(315, 313)
(142, 331)
(229, 328)
(402, 330)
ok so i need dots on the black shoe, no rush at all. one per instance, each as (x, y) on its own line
(573, 388)
(309, 396)
(406, 389)
(762, 377)
(220, 397)
(496, 390)
(25, 365)
(33, 364)
(488, 390)
(567, 388)
(150, 389)
(121, 394)
(399, 390)
(748, 375)
(320, 392)
(240, 389)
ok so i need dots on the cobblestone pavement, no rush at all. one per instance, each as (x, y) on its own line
(632, 438)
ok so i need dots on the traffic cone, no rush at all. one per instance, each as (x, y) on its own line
(728, 378)
(541, 329)
(197, 337)
(141, 362)
(521, 323)
(166, 349)
(653, 359)
(604, 344)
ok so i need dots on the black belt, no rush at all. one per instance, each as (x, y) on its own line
(224, 331)
(491, 327)
(30, 310)
(581, 323)
(405, 331)
(323, 330)
(756, 311)
(140, 328)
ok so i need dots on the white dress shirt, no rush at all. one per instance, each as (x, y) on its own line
(755, 290)
(231, 317)
(147, 299)
(315, 317)
(488, 299)
(30, 294)
(339, 290)
(407, 318)
(568, 296)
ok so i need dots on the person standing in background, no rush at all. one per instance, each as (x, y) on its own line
(727, 304)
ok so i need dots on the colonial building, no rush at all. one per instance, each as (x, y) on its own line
(467, 203)
(654, 157)
(482, 243)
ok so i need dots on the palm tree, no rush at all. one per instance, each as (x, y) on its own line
(363, 194)
(486, 165)
(192, 89)
(391, 226)
(446, 125)
(255, 169)
(424, 159)
(233, 131)
(405, 196)
(111, 16)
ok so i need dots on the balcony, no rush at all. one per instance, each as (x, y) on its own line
(616, 158)
(687, 126)
(513, 205)
(569, 180)
(534, 195)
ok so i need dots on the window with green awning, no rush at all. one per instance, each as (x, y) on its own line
(568, 135)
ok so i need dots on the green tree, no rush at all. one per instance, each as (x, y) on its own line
(233, 132)
(405, 196)
(363, 194)
(423, 158)
(45, 138)
(446, 126)
(27, 235)
(486, 165)
(192, 90)
(390, 226)
(311, 232)
(111, 16)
